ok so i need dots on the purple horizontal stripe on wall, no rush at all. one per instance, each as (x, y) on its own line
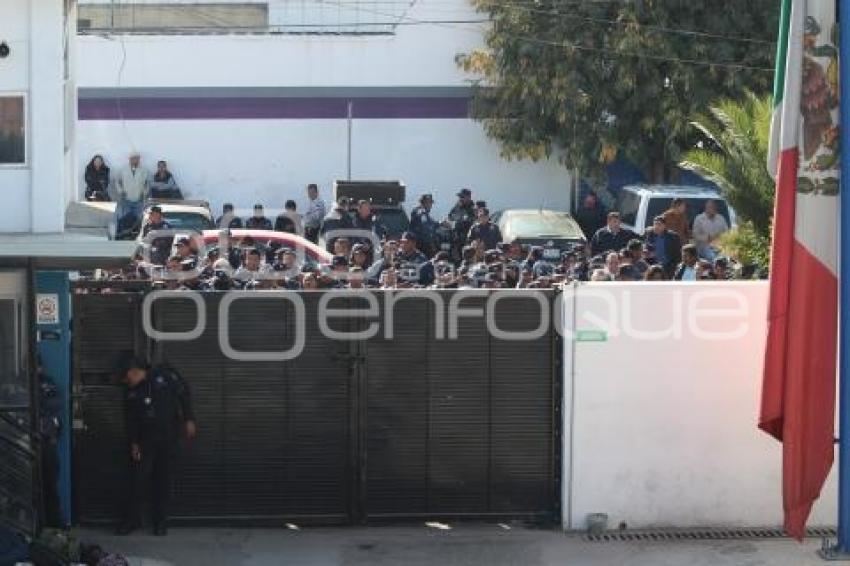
(220, 108)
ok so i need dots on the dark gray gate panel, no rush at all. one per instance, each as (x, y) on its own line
(321, 442)
(274, 437)
(458, 431)
(201, 470)
(460, 427)
(396, 411)
(104, 327)
(407, 426)
(522, 409)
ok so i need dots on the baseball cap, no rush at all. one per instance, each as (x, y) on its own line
(465, 193)
(409, 236)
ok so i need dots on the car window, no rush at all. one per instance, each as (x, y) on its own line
(539, 225)
(658, 205)
(627, 204)
(187, 221)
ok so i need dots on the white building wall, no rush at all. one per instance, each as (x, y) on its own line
(35, 193)
(269, 160)
(14, 78)
(417, 55)
(47, 117)
(661, 431)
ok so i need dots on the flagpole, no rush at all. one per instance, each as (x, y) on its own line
(844, 305)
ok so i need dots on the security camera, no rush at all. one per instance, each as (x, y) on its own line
(4, 50)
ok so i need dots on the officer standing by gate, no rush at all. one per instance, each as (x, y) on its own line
(158, 407)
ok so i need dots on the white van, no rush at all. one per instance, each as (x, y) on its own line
(639, 204)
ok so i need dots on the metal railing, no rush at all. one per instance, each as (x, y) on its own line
(334, 17)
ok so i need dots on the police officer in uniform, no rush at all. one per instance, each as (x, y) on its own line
(485, 231)
(424, 226)
(160, 246)
(410, 257)
(50, 426)
(158, 407)
(460, 220)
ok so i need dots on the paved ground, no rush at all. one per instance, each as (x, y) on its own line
(462, 545)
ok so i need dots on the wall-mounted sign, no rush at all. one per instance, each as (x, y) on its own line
(47, 308)
(591, 336)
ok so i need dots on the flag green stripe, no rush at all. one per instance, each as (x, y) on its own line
(782, 52)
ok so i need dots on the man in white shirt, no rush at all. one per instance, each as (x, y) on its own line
(131, 188)
(708, 226)
(315, 214)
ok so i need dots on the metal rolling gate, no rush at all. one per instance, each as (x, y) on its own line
(400, 426)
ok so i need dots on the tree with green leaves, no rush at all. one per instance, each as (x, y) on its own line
(593, 80)
(733, 154)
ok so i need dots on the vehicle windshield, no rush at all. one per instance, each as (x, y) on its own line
(545, 224)
(657, 206)
(188, 221)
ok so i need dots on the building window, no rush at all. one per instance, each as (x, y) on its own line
(12, 130)
(313, 17)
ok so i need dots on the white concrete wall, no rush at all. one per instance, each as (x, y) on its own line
(245, 161)
(35, 194)
(14, 78)
(417, 55)
(269, 161)
(47, 117)
(662, 432)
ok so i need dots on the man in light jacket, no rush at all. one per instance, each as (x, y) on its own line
(708, 227)
(315, 214)
(131, 188)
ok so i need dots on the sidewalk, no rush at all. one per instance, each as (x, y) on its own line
(464, 544)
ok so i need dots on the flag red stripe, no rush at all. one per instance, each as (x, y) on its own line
(800, 358)
(770, 419)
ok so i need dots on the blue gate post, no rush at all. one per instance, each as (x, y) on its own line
(53, 324)
(844, 308)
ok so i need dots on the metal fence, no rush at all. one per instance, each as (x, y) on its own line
(408, 425)
(234, 16)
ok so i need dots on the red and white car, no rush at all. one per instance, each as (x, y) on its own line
(266, 239)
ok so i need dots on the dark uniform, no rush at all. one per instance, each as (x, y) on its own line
(461, 218)
(488, 233)
(607, 241)
(420, 264)
(425, 229)
(155, 410)
(258, 223)
(229, 220)
(50, 425)
(160, 247)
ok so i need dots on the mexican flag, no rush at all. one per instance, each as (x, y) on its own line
(798, 395)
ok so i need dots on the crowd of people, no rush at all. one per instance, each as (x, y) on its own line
(463, 250)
